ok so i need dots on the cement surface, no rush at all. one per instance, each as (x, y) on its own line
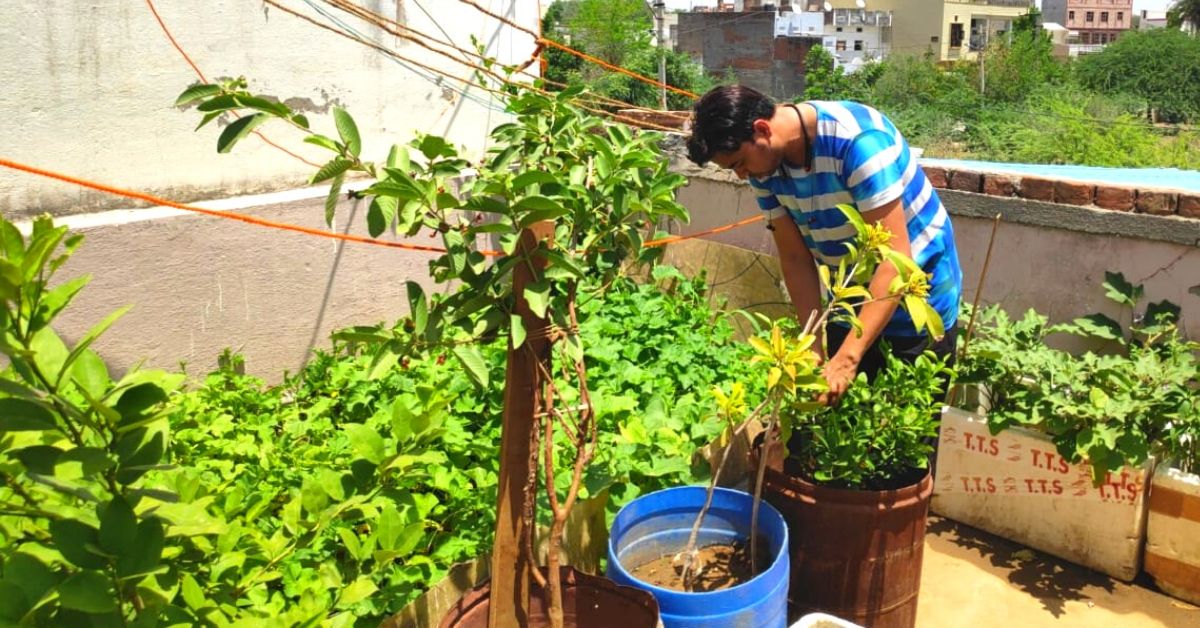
(971, 578)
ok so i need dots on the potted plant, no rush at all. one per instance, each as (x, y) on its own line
(665, 541)
(1077, 432)
(567, 201)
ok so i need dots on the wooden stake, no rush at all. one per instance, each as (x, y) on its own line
(509, 605)
(987, 260)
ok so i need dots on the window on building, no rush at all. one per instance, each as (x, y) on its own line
(840, 46)
(839, 29)
(956, 35)
(1120, 16)
(858, 44)
(1090, 16)
(1104, 16)
(1070, 16)
(933, 40)
(858, 30)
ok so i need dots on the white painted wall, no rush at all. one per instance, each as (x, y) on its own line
(89, 87)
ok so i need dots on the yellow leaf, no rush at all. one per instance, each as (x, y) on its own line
(916, 309)
(933, 320)
(773, 377)
(760, 345)
(823, 270)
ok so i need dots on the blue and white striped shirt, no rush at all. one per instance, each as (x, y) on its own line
(860, 159)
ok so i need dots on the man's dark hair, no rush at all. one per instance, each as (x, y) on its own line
(724, 118)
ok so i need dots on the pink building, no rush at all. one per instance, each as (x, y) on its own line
(1096, 21)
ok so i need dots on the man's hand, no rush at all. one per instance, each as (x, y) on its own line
(839, 374)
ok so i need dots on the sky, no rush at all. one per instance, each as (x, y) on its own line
(1138, 5)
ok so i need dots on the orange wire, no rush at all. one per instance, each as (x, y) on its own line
(166, 31)
(142, 196)
(156, 200)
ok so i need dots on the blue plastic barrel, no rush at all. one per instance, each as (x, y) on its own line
(658, 524)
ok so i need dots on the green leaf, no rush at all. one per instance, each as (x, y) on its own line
(22, 415)
(367, 443)
(398, 157)
(517, 330)
(472, 360)
(537, 296)
(324, 142)
(238, 130)
(193, 595)
(357, 591)
(135, 402)
(433, 146)
(38, 458)
(1100, 326)
(91, 336)
(1120, 290)
(219, 104)
(312, 495)
(348, 130)
(118, 527)
(90, 373)
(55, 300)
(526, 179)
(87, 591)
(71, 539)
(331, 169)
(30, 576)
(409, 538)
(331, 201)
(146, 552)
(258, 103)
(380, 214)
(418, 307)
(196, 92)
(1098, 398)
(388, 527)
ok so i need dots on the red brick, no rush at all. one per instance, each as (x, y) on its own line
(998, 185)
(938, 177)
(1154, 202)
(1036, 189)
(1073, 193)
(966, 181)
(1189, 205)
(1120, 199)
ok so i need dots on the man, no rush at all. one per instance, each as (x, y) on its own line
(802, 161)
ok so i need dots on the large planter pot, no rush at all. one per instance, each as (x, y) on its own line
(658, 524)
(855, 554)
(1015, 485)
(588, 602)
(1172, 533)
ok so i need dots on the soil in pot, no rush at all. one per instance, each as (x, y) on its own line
(725, 565)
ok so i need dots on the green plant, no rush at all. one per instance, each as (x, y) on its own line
(1111, 409)
(790, 365)
(880, 434)
(106, 521)
(581, 196)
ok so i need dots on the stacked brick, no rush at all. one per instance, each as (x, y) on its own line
(1156, 201)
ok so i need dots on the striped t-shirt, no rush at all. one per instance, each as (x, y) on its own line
(860, 159)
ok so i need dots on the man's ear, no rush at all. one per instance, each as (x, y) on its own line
(762, 128)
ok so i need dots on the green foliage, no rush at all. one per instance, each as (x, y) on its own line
(619, 33)
(880, 433)
(823, 80)
(1015, 68)
(1161, 66)
(334, 498)
(1109, 409)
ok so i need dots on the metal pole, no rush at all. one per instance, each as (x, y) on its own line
(659, 8)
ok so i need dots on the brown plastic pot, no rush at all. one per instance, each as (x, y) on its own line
(855, 554)
(588, 602)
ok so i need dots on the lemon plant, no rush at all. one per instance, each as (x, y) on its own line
(788, 360)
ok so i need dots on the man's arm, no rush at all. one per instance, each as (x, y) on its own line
(799, 271)
(874, 316)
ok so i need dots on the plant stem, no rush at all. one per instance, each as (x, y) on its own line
(762, 467)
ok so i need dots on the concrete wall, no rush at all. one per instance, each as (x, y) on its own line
(746, 44)
(90, 84)
(200, 284)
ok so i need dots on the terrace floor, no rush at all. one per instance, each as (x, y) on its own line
(972, 578)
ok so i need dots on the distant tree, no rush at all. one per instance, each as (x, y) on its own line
(825, 80)
(1160, 66)
(610, 29)
(1014, 68)
(561, 66)
(1184, 11)
(1031, 21)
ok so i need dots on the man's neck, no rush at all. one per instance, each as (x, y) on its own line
(796, 149)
